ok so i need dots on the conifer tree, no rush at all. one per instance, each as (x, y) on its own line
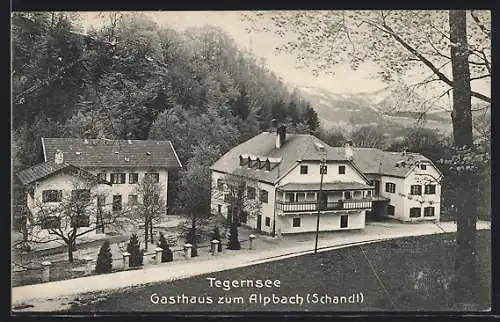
(104, 259)
(166, 254)
(134, 248)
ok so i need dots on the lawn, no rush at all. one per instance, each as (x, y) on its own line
(410, 274)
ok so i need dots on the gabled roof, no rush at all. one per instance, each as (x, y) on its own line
(296, 147)
(112, 153)
(375, 161)
(47, 169)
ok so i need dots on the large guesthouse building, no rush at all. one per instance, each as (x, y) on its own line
(282, 174)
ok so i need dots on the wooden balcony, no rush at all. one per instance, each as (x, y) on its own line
(306, 206)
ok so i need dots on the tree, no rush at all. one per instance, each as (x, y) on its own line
(241, 204)
(104, 259)
(194, 191)
(134, 249)
(71, 217)
(151, 205)
(368, 137)
(166, 254)
(311, 118)
(332, 137)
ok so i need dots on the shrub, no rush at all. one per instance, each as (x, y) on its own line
(192, 239)
(216, 236)
(166, 254)
(234, 243)
(134, 248)
(104, 259)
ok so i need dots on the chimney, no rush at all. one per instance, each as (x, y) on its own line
(280, 136)
(348, 150)
(59, 157)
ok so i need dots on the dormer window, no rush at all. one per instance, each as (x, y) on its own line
(249, 162)
(267, 165)
(423, 167)
(242, 161)
(257, 163)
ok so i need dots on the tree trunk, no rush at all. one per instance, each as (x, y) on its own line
(70, 251)
(151, 230)
(146, 221)
(194, 250)
(462, 135)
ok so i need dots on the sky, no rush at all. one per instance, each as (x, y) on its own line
(344, 80)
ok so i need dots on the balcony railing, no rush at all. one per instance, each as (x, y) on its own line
(332, 205)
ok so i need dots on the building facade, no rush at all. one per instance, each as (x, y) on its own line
(105, 174)
(284, 189)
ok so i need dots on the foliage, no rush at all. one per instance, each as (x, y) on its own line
(368, 137)
(166, 254)
(104, 259)
(134, 249)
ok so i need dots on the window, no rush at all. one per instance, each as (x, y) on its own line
(51, 195)
(368, 193)
(341, 169)
(219, 209)
(415, 212)
(429, 212)
(423, 167)
(118, 178)
(50, 222)
(81, 195)
(263, 196)
(155, 176)
(323, 168)
(101, 201)
(289, 197)
(296, 222)
(391, 210)
(133, 178)
(132, 200)
(102, 176)
(303, 169)
(344, 219)
(268, 221)
(267, 166)
(347, 195)
(242, 161)
(80, 220)
(251, 192)
(390, 187)
(430, 189)
(220, 184)
(300, 196)
(416, 190)
(117, 202)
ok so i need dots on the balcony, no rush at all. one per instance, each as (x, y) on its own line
(324, 206)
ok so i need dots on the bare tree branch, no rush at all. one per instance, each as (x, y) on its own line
(481, 26)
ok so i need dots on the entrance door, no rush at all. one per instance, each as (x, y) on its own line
(377, 187)
(259, 222)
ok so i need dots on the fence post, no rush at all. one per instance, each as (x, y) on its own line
(159, 253)
(89, 265)
(187, 251)
(251, 238)
(46, 271)
(126, 260)
(214, 245)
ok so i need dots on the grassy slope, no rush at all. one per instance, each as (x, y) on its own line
(413, 271)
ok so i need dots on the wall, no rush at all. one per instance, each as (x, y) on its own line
(66, 182)
(396, 199)
(313, 175)
(265, 209)
(423, 177)
(127, 189)
(329, 221)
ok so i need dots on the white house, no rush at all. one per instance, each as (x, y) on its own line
(282, 173)
(108, 171)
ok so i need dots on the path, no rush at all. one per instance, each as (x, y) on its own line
(267, 249)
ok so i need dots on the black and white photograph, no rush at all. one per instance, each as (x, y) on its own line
(251, 161)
